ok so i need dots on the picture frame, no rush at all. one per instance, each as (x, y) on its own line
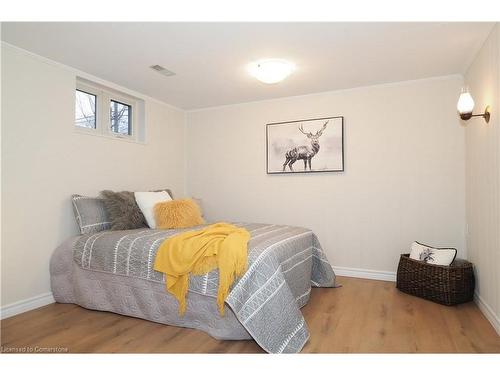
(305, 146)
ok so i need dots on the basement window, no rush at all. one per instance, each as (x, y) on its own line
(85, 109)
(106, 112)
(121, 118)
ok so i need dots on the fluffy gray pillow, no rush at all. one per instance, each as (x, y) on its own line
(123, 211)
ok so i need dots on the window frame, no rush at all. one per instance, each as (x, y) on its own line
(103, 112)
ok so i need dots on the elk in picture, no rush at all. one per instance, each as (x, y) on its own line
(305, 153)
(286, 145)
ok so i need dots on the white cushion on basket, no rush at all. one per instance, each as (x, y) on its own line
(432, 255)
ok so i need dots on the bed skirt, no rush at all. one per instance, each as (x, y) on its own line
(137, 298)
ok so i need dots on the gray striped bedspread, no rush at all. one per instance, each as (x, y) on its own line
(283, 263)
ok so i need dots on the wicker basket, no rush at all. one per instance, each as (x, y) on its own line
(447, 285)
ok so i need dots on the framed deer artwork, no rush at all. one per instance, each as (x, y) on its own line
(306, 146)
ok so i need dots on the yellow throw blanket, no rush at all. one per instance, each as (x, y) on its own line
(220, 245)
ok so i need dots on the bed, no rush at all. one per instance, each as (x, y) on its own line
(113, 271)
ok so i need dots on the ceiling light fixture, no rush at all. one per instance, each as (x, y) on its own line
(271, 70)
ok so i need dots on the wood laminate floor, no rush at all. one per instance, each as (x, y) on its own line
(363, 316)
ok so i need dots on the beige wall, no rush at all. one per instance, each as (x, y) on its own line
(44, 161)
(483, 176)
(403, 179)
(404, 160)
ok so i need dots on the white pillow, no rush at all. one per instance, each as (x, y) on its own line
(432, 255)
(146, 201)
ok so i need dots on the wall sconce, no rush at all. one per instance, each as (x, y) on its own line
(465, 107)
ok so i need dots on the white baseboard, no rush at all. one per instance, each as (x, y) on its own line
(26, 305)
(488, 312)
(365, 274)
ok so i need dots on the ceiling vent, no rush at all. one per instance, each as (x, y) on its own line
(160, 69)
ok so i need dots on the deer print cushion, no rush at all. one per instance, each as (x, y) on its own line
(432, 255)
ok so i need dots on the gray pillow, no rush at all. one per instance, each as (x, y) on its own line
(123, 211)
(90, 214)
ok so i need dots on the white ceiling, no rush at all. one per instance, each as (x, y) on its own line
(210, 59)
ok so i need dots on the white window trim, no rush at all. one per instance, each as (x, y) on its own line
(103, 120)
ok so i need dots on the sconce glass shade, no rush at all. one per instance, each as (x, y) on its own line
(465, 105)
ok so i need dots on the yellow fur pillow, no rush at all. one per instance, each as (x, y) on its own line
(178, 213)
